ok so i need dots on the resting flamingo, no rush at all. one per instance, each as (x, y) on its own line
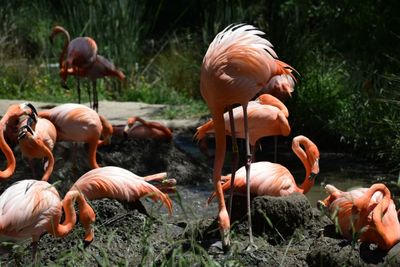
(76, 123)
(9, 126)
(368, 211)
(83, 62)
(37, 140)
(30, 208)
(237, 65)
(274, 179)
(120, 184)
(266, 117)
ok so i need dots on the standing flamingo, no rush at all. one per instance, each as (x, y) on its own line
(274, 179)
(83, 61)
(29, 208)
(81, 53)
(367, 211)
(9, 125)
(120, 184)
(37, 140)
(76, 123)
(237, 65)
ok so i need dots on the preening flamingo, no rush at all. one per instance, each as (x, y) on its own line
(368, 211)
(83, 62)
(76, 123)
(9, 124)
(118, 183)
(274, 179)
(29, 208)
(37, 140)
(237, 65)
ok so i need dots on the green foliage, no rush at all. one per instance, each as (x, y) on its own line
(343, 51)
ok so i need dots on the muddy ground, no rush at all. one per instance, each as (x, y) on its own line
(288, 230)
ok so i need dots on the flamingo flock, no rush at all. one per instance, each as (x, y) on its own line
(243, 84)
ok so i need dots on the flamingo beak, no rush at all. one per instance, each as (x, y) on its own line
(314, 170)
(23, 131)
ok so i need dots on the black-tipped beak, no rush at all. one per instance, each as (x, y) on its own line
(23, 131)
(312, 176)
(86, 243)
(64, 85)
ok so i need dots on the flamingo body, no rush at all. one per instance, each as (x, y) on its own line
(116, 183)
(274, 179)
(28, 209)
(76, 123)
(264, 120)
(369, 211)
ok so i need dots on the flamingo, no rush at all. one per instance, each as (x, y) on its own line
(76, 123)
(120, 184)
(237, 65)
(37, 140)
(9, 126)
(81, 52)
(266, 117)
(368, 211)
(274, 179)
(30, 208)
(137, 127)
(83, 61)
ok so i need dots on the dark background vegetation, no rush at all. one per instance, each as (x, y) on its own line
(347, 54)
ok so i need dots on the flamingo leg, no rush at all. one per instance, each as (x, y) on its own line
(235, 159)
(34, 251)
(95, 97)
(223, 217)
(247, 166)
(90, 95)
(78, 89)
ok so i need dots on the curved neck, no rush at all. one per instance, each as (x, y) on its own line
(50, 163)
(11, 162)
(86, 215)
(67, 39)
(301, 154)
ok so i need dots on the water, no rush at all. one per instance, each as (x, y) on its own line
(340, 170)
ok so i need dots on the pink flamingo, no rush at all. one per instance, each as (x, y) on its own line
(30, 208)
(368, 211)
(77, 123)
(84, 62)
(274, 179)
(237, 65)
(9, 126)
(118, 183)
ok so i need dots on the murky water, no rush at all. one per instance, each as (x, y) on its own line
(340, 170)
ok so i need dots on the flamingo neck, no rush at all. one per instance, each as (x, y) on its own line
(5, 148)
(301, 154)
